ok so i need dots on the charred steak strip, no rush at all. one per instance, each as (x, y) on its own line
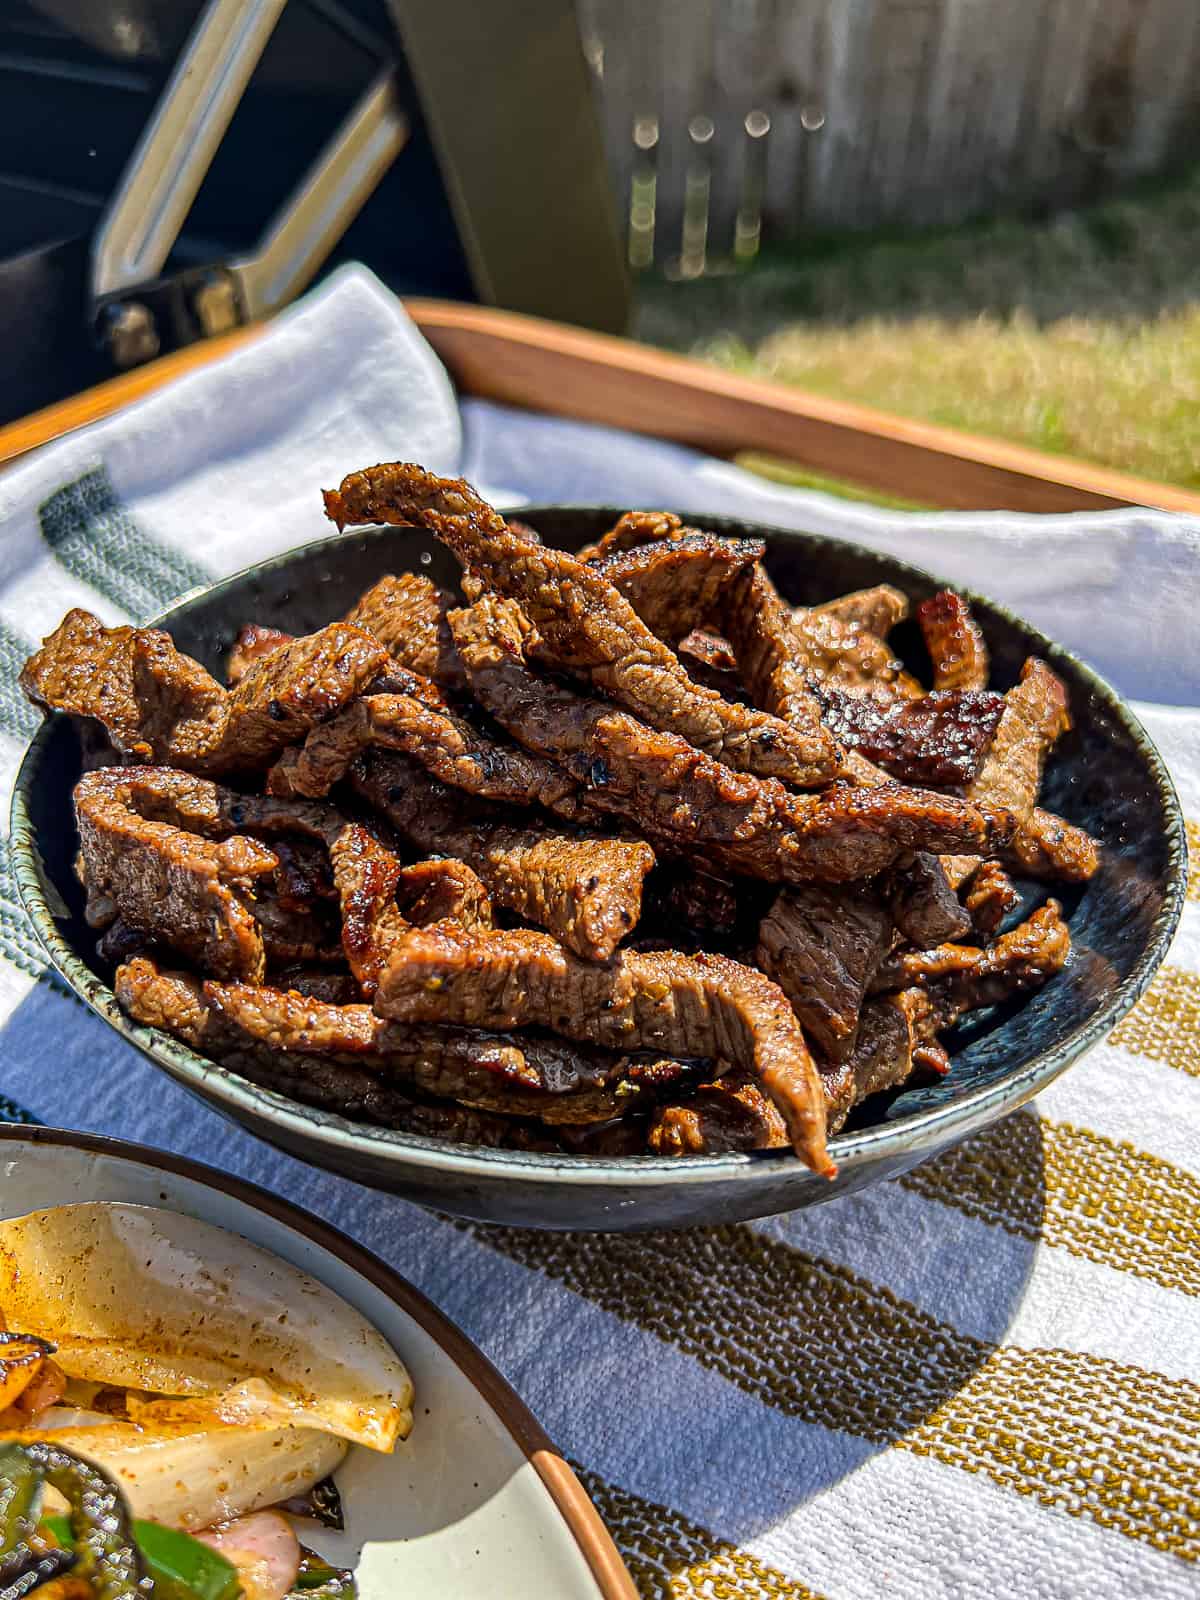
(586, 890)
(878, 610)
(674, 793)
(450, 748)
(923, 904)
(584, 625)
(500, 1072)
(772, 663)
(822, 948)
(683, 1005)
(845, 656)
(444, 890)
(674, 586)
(633, 529)
(407, 614)
(938, 740)
(155, 703)
(191, 893)
(954, 641)
(894, 1031)
(964, 977)
(251, 644)
(1045, 846)
(989, 896)
(729, 1115)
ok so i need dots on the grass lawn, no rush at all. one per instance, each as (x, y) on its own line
(1079, 334)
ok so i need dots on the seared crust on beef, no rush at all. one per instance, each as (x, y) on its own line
(676, 794)
(939, 740)
(822, 947)
(407, 614)
(684, 1005)
(586, 890)
(675, 585)
(843, 655)
(772, 663)
(191, 893)
(516, 1074)
(965, 977)
(290, 690)
(584, 625)
(1045, 846)
(444, 890)
(633, 529)
(731, 1114)
(954, 641)
(449, 747)
(155, 703)
(988, 897)
(893, 1032)
(251, 644)
(877, 609)
(923, 904)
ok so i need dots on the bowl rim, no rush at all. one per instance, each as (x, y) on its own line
(914, 1135)
(570, 1498)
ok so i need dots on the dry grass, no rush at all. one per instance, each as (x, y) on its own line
(1079, 335)
(1127, 395)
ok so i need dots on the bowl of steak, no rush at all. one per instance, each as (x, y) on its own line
(603, 870)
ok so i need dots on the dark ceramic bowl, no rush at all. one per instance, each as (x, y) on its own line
(1106, 776)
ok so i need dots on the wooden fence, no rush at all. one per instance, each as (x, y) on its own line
(727, 117)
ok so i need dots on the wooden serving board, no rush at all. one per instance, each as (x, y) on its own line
(566, 371)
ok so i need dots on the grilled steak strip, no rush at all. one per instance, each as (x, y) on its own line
(938, 740)
(1046, 846)
(406, 612)
(846, 656)
(675, 585)
(964, 977)
(633, 529)
(444, 890)
(1034, 717)
(517, 1075)
(954, 641)
(586, 890)
(772, 663)
(155, 703)
(988, 898)
(289, 691)
(158, 704)
(822, 947)
(923, 904)
(894, 1032)
(334, 986)
(878, 609)
(193, 894)
(450, 748)
(674, 793)
(584, 625)
(683, 1005)
(366, 875)
(251, 644)
(728, 1115)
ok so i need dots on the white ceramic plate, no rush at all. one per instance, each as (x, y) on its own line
(476, 1502)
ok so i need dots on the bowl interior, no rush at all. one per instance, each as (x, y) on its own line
(1104, 775)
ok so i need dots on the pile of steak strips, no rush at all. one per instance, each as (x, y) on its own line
(614, 853)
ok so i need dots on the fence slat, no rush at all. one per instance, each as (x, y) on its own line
(912, 111)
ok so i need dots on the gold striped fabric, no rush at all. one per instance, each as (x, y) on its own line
(821, 1344)
(1165, 1025)
(1192, 829)
(671, 1556)
(1071, 1188)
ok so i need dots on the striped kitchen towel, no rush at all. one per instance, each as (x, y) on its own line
(982, 1378)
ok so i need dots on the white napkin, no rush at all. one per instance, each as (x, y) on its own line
(979, 1379)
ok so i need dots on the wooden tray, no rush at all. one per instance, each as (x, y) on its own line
(565, 371)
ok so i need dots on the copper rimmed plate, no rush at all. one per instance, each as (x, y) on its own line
(476, 1501)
